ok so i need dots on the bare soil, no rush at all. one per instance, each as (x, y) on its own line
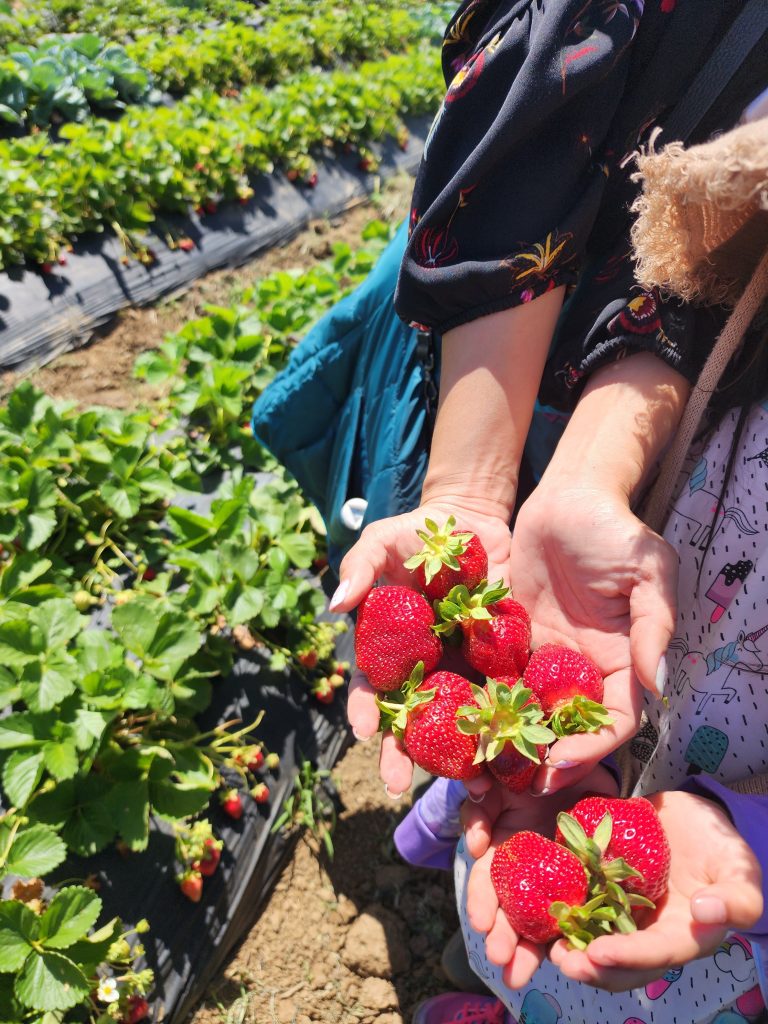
(352, 941)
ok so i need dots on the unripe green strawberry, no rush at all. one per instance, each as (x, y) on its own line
(393, 634)
(530, 874)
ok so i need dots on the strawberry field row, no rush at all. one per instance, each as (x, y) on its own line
(24, 21)
(97, 715)
(123, 176)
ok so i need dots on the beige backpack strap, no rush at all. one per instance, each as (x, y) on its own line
(735, 328)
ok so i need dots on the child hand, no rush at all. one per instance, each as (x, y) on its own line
(714, 887)
(486, 825)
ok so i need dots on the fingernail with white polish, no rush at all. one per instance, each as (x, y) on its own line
(661, 676)
(476, 799)
(392, 796)
(360, 737)
(563, 764)
(341, 592)
(539, 792)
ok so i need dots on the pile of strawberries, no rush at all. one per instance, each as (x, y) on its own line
(450, 724)
(609, 857)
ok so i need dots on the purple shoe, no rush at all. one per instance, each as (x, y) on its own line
(461, 1008)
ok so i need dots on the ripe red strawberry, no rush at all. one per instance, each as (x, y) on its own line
(308, 658)
(191, 884)
(429, 729)
(569, 688)
(292, 174)
(312, 179)
(232, 804)
(449, 558)
(532, 876)
(260, 793)
(186, 244)
(149, 574)
(507, 722)
(137, 1009)
(497, 646)
(47, 268)
(323, 691)
(211, 206)
(634, 836)
(254, 759)
(211, 857)
(393, 634)
(509, 606)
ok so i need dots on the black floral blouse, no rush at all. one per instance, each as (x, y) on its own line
(525, 183)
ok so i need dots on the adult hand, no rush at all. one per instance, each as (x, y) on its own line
(486, 825)
(379, 555)
(714, 887)
(591, 574)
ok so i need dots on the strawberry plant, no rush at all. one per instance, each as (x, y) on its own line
(310, 807)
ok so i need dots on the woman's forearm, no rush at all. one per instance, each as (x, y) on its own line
(490, 374)
(626, 416)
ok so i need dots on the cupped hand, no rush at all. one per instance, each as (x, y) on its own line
(591, 574)
(487, 823)
(379, 555)
(715, 886)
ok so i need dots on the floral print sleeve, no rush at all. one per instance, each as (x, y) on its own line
(512, 174)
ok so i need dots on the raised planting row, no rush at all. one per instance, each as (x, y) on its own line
(64, 78)
(123, 176)
(119, 610)
(24, 21)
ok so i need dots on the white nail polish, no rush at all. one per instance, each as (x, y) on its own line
(390, 794)
(661, 676)
(563, 764)
(362, 739)
(341, 592)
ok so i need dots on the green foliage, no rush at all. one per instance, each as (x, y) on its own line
(123, 175)
(65, 78)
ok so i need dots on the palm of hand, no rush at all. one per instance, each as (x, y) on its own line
(672, 935)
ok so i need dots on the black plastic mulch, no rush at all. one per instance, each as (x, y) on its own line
(42, 316)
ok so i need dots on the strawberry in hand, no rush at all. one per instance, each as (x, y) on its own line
(569, 688)
(394, 633)
(448, 559)
(495, 643)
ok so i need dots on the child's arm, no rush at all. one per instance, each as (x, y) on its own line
(427, 835)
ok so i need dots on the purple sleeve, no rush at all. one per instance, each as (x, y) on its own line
(427, 835)
(749, 814)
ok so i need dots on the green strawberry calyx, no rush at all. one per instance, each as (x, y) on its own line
(394, 711)
(462, 606)
(617, 904)
(441, 548)
(579, 714)
(505, 714)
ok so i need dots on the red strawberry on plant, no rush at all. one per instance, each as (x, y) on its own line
(308, 658)
(569, 687)
(613, 835)
(254, 759)
(186, 244)
(323, 691)
(260, 793)
(507, 723)
(426, 722)
(449, 558)
(394, 632)
(537, 882)
(137, 1009)
(191, 884)
(211, 856)
(232, 804)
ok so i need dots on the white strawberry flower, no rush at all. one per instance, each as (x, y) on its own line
(107, 992)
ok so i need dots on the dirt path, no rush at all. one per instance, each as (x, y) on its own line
(351, 942)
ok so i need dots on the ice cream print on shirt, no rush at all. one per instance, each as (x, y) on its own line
(717, 689)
